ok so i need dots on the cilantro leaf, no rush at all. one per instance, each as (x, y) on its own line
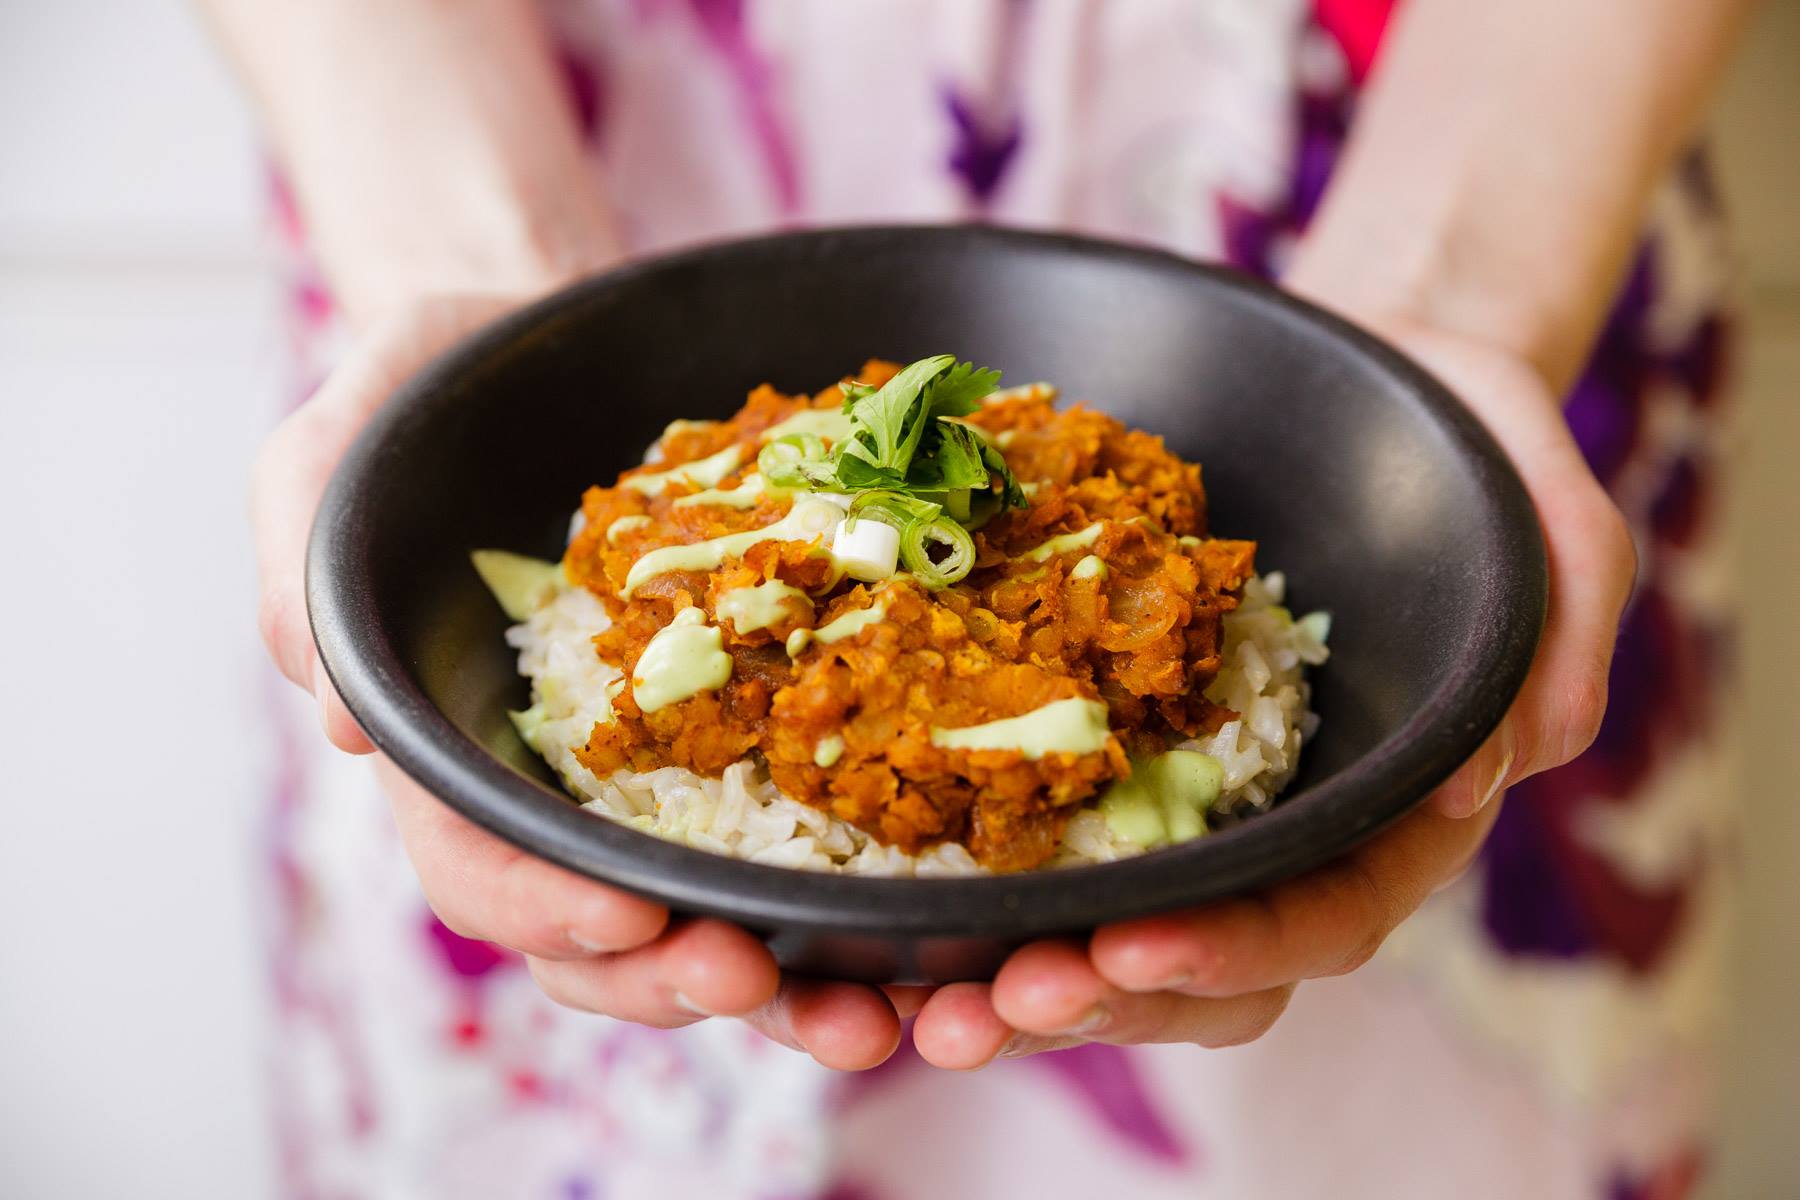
(907, 436)
(856, 475)
(887, 430)
(1011, 494)
(958, 391)
(955, 461)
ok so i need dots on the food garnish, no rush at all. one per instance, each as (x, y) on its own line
(907, 461)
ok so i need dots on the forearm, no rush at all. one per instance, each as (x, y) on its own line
(429, 143)
(1501, 162)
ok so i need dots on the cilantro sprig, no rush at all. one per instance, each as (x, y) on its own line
(906, 436)
(910, 460)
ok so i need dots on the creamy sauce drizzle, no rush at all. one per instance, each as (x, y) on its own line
(685, 658)
(683, 425)
(744, 495)
(1072, 726)
(706, 472)
(1165, 799)
(829, 750)
(808, 520)
(759, 607)
(520, 584)
(1025, 391)
(624, 525)
(848, 625)
(1064, 543)
(832, 424)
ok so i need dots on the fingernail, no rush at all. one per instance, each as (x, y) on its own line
(1176, 982)
(1092, 1021)
(688, 1006)
(1498, 784)
(586, 944)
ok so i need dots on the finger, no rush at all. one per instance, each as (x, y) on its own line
(1050, 989)
(1558, 710)
(1591, 557)
(1485, 775)
(481, 887)
(906, 998)
(341, 729)
(1592, 568)
(958, 1029)
(703, 968)
(844, 1026)
(1327, 922)
(290, 476)
(296, 462)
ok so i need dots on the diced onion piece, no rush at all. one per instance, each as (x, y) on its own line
(866, 548)
(919, 539)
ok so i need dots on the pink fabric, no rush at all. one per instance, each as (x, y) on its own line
(1541, 1029)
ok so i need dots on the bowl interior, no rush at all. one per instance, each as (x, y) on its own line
(1358, 476)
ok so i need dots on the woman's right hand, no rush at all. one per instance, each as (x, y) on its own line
(589, 946)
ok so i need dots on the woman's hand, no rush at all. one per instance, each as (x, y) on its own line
(589, 946)
(1221, 975)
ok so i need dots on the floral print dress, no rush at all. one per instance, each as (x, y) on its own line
(1542, 1028)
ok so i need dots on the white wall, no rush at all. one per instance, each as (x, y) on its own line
(136, 322)
(138, 352)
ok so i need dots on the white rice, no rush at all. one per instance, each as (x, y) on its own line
(743, 814)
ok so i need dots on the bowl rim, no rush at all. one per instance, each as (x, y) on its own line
(368, 671)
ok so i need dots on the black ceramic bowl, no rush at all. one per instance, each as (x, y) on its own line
(1360, 477)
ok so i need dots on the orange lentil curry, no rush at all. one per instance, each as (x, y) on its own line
(1139, 630)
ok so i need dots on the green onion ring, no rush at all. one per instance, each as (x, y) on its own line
(781, 461)
(916, 540)
(896, 508)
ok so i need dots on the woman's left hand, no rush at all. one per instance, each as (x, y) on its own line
(1221, 975)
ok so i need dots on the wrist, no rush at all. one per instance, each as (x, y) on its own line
(481, 243)
(1403, 283)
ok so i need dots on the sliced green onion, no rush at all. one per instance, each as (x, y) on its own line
(919, 538)
(896, 508)
(783, 462)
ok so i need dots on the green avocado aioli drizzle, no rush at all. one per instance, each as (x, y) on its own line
(848, 625)
(520, 584)
(624, 525)
(744, 495)
(1072, 726)
(758, 607)
(807, 520)
(683, 425)
(706, 472)
(1064, 543)
(829, 750)
(1165, 799)
(685, 658)
(832, 424)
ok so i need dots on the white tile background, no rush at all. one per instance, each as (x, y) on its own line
(139, 359)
